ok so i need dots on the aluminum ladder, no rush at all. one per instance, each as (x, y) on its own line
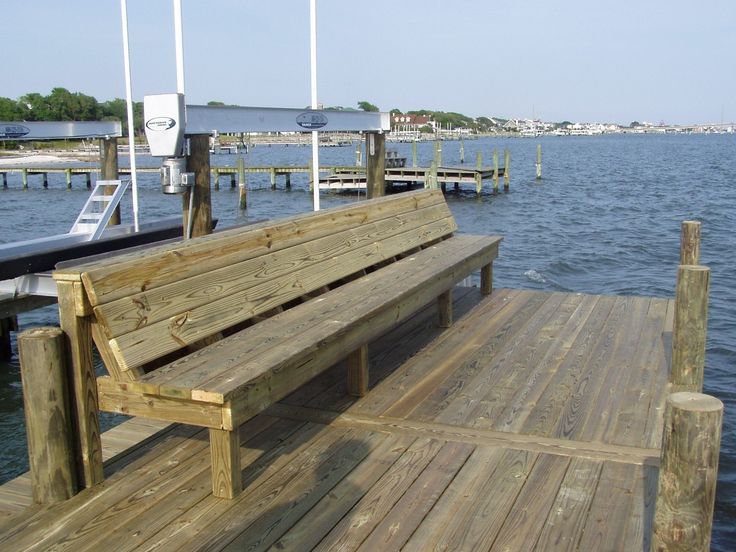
(98, 209)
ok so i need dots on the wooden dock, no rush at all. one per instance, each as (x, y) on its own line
(534, 423)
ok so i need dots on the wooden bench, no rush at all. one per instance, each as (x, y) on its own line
(213, 330)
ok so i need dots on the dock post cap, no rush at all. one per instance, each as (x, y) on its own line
(695, 402)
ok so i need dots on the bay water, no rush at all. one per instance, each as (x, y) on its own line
(604, 219)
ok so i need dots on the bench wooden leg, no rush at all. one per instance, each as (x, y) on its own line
(444, 306)
(225, 451)
(358, 372)
(486, 279)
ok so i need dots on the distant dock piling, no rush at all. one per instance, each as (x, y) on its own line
(539, 162)
(506, 173)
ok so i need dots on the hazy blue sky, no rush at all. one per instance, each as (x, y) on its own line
(580, 60)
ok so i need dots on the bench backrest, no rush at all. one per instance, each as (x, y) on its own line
(148, 304)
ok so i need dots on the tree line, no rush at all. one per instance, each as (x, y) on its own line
(63, 105)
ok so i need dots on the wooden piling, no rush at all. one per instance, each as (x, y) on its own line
(88, 177)
(45, 177)
(273, 178)
(24, 178)
(198, 162)
(358, 155)
(462, 151)
(5, 179)
(688, 470)
(478, 160)
(690, 327)
(310, 172)
(506, 165)
(216, 178)
(375, 164)
(108, 171)
(232, 180)
(48, 416)
(68, 173)
(358, 372)
(690, 243)
(287, 180)
(414, 153)
(242, 186)
(539, 161)
(495, 171)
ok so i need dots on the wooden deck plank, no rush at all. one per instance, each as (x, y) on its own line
(406, 515)
(527, 395)
(326, 513)
(610, 510)
(433, 401)
(532, 506)
(358, 523)
(410, 465)
(564, 524)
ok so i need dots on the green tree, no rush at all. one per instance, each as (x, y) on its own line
(367, 106)
(216, 103)
(34, 107)
(9, 110)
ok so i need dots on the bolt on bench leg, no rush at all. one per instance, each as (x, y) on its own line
(444, 306)
(358, 372)
(225, 451)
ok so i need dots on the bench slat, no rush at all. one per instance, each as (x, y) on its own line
(132, 313)
(228, 369)
(130, 273)
(152, 341)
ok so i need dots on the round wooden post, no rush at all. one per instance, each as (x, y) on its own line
(45, 177)
(242, 186)
(495, 170)
(414, 153)
(462, 151)
(539, 161)
(375, 164)
(48, 417)
(690, 243)
(109, 171)
(198, 162)
(478, 160)
(24, 178)
(690, 325)
(506, 164)
(68, 173)
(683, 516)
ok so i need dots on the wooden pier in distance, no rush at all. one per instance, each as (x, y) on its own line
(534, 423)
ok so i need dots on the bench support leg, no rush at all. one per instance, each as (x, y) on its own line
(225, 451)
(486, 279)
(444, 305)
(358, 372)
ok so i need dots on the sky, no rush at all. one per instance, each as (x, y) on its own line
(671, 61)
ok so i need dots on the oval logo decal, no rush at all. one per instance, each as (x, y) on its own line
(160, 123)
(311, 120)
(13, 131)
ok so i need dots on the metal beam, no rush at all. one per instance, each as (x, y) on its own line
(205, 119)
(57, 130)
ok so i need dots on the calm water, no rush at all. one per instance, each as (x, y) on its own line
(605, 219)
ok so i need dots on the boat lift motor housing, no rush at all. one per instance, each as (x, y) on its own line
(164, 116)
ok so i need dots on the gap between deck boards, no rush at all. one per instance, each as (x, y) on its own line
(533, 443)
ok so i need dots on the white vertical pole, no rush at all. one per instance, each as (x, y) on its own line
(179, 40)
(129, 101)
(313, 73)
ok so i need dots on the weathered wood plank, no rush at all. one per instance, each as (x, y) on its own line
(406, 515)
(605, 528)
(371, 509)
(563, 526)
(332, 507)
(532, 506)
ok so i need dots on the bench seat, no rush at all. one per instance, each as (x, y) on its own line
(212, 331)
